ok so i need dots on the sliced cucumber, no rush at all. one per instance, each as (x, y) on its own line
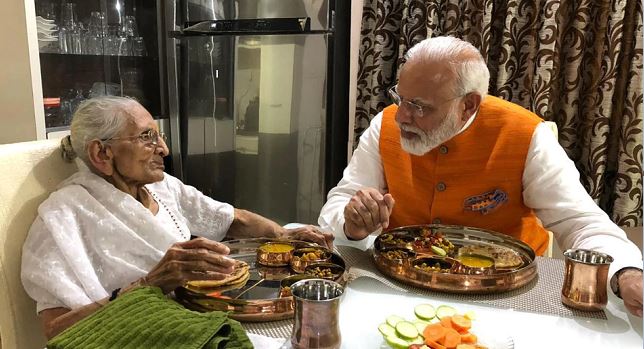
(425, 311)
(396, 343)
(386, 330)
(392, 320)
(417, 340)
(420, 326)
(406, 329)
(445, 311)
(439, 251)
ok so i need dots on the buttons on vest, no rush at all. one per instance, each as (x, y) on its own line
(443, 149)
(436, 221)
(441, 186)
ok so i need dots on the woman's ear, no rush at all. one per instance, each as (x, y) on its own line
(471, 104)
(101, 156)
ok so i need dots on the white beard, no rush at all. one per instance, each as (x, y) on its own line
(426, 141)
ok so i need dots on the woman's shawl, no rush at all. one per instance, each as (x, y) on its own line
(90, 238)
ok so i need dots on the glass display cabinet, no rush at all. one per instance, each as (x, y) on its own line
(94, 48)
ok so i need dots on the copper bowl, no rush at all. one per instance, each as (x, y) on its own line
(275, 254)
(273, 273)
(327, 271)
(302, 257)
(435, 264)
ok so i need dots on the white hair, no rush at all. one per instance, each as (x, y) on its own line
(96, 118)
(465, 61)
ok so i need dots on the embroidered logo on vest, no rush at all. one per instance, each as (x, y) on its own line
(486, 202)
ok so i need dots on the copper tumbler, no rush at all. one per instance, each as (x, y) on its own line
(585, 279)
(317, 303)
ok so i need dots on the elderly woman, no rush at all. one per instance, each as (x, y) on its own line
(125, 223)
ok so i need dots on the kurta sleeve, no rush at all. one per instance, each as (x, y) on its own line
(364, 171)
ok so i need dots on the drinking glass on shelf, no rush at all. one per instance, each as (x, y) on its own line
(93, 45)
(65, 40)
(125, 46)
(128, 27)
(77, 37)
(112, 41)
(138, 46)
(69, 17)
(97, 25)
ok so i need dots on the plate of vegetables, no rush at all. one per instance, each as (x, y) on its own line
(441, 327)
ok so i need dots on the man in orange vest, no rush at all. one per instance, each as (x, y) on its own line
(444, 152)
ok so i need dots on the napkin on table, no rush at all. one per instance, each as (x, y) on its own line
(145, 318)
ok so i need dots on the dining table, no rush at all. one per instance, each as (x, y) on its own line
(529, 317)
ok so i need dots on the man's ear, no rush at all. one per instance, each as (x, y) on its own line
(101, 156)
(471, 104)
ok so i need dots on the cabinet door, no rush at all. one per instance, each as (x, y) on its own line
(94, 48)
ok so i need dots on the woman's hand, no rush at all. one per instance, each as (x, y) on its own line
(310, 233)
(198, 259)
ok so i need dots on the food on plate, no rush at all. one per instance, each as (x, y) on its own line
(449, 330)
(475, 260)
(389, 240)
(398, 253)
(303, 257)
(309, 254)
(275, 254)
(433, 264)
(433, 242)
(504, 258)
(328, 271)
(276, 247)
(239, 275)
(324, 273)
(425, 311)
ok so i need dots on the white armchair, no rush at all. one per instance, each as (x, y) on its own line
(29, 172)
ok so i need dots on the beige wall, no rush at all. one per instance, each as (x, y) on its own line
(21, 110)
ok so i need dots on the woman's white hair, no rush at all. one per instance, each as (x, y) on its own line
(465, 61)
(96, 118)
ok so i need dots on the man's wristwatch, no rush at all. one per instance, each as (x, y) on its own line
(614, 281)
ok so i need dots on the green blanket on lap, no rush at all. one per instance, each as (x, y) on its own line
(145, 318)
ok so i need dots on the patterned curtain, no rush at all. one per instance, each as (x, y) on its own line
(577, 63)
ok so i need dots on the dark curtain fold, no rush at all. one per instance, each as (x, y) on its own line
(577, 63)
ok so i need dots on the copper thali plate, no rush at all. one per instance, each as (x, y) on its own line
(258, 300)
(513, 261)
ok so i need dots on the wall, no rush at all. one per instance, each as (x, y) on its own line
(21, 111)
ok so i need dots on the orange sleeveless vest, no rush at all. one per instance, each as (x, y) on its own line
(474, 179)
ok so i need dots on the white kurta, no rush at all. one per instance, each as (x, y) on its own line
(90, 238)
(551, 187)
